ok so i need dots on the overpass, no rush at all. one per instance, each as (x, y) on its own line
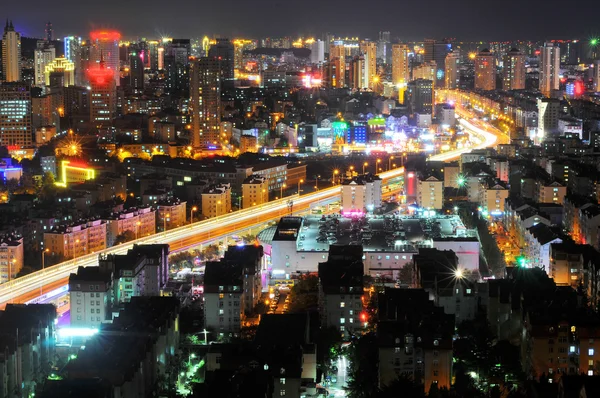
(29, 287)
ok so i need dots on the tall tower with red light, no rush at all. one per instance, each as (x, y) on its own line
(105, 44)
(103, 104)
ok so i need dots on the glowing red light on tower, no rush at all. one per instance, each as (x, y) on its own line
(105, 35)
(100, 76)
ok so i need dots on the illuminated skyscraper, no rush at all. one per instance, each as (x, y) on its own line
(15, 115)
(103, 103)
(485, 70)
(513, 72)
(43, 55)
(161, 58)
(241, 45)
(596, 75)
(60, 73)
(420, 96)
(549, 68)
(152, 55)
(223, 51)
(437, 51)
(105, 45)
(426, 70)
(452, 75)
(369, 51)
(400, 71)
(205, 101)
(356, 78)
(317, 52)
(11, 53)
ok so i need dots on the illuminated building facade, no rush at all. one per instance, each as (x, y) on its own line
(15, 115)
(11, 53)
(239, 46)
(425, 71)
(400, 70)
(105, 47)
(216, 200)
(76, 240)
(369, 51)
(11, 258)
(340, 130)
(223, 51)
(452, 75)
(513, 72)
(549, 68)
(337, 65)
(437, 51)
(103, 105)
(73, 53)
(136, 69)
(205, 101)
(485, 70)
(596, 75)
(255, 191)
(70, 173)
(43, 55)
(419, 96)
(60, 73)
(152, 55)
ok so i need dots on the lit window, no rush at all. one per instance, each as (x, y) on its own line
(591, 352)
(342, 320)
(342, 304)
(572, 348)
(590, 372)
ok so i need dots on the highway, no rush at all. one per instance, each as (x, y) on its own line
(29, 287)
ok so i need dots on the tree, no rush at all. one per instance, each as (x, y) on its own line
(305, 294)
(329, 346)
(363, 367)
(126, 236)
(403, 386)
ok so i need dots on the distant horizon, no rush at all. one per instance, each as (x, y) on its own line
(506, 21)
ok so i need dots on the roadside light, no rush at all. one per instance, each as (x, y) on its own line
(458, 273)
(363, 317)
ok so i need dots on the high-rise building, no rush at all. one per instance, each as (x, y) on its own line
(223, 51)
(452, 66)
(205, 101)
(43, 55)
(400, 71)
(241, 45)
(485, 70)
(15, 115)
(356, 71)
(317, 52)
(549, 68)
(73, 53)
(103, 104)
(437, 51)
(513, 72)
(49, 31)
(369, 51)
(152, 55)
(419, 95)
(383, 46)
(161, 58)
(548, 114)
(11, 53)
(136, 69)
(426, 70)
(60, 73)
(337, 60)
(105, 46)
(596, 75)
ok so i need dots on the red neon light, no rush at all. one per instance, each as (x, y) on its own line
(579, 89)
(100, 76)
(105, 35)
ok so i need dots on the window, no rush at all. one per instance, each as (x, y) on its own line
(342, 304)
(397, 350)
(342, 320)
(221, 312)
(591, 352)
(282, 393)
(591, 362)
(282, 380)
(468, 291)
(435, 372)
(572, 349)
(590, 372)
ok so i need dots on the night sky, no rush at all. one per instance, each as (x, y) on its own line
(405, 19)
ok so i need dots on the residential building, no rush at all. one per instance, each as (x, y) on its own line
(16, 126)
(493, 195)
(251, 261)
(400, 67)
(90, 297)
(341, 289)
(205, 90)
(414, 337)
(553, 192)
(11, 257)
(43, 55)
(216, 200)
(452, 73)
(589, 218)
(255, 191)
(11, 54)
(513, 70)
(224, 298)
(170, 213)
(430, 193)
(538, 240)
(485, 70)
(361, 193)
(548, 114)
(139, 222)
(72, 241)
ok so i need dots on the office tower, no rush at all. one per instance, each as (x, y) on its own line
(105, 46)
(161, 58)
(426, 70)
(571, 52)
(49, 32)
(548, 114)
(205, 101)
(383, 46)
(11, 53)
(181, 49)
(549, 68)
(356, 78)
(43, 55)
(337, 62)
(103, 104)
(241, 45)
(596, 75)
(16, 127)
(452, 66)
(420, 96)
(369, 51)
(485, 70)
(437, 51)
(317, 52)
(60, 73)
(136, 69)
(513, 72)
(223, 51)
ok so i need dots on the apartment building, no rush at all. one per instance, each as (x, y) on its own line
(76, 240)
(216, 200)
(430, 192)
(224, 298)
(11, 257)
(90, 297)
(138, 221)
(170, 213)
(255, 191)
(361, 193)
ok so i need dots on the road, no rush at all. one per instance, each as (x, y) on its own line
(29, 287)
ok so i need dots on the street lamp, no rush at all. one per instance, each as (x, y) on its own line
(165, 222)
(43, 256)
(390, 162)
(365, 164)
(317, 182)
(377, 165)
(299, 182)
(335, 173)
(284, 185)
(240, 202)
(192, 210)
